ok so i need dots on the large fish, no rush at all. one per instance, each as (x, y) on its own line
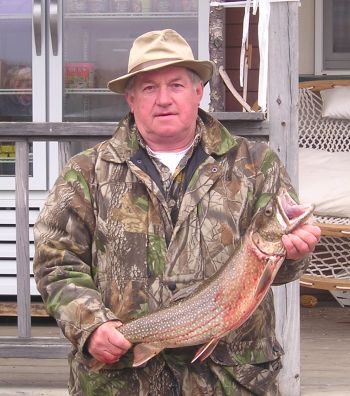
(227, 299)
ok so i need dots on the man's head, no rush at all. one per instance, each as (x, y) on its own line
(164, 87)
(165, 106)
(157, 49)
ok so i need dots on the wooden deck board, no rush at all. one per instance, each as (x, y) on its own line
(41, 327)
(325, 350)
(10, 309)
(47, 373)
(325, 358)
(16, 391)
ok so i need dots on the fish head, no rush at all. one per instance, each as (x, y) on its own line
(281, 215)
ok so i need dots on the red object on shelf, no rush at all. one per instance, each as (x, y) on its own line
(79, 75)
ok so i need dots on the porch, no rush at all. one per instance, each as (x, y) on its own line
(325, 357)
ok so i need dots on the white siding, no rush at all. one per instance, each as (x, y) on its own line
(8, 268)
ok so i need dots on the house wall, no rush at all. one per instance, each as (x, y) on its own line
(307, 37)
(234, 27)
(234, 23)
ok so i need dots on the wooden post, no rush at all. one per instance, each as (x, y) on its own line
(22, 240)
(283, 122)
(217, 55)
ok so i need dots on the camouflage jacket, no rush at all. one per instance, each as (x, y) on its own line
(107, 248)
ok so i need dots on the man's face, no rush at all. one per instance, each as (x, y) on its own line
(165, 105)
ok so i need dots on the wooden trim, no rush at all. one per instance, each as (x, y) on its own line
(54, 131)
(318, 282)
(10, 309)
(226, 116)
(22, 241)
(217, 55)
(318, 85)
(335, 230)
(242, 123)
(283, 117)
(38, 347)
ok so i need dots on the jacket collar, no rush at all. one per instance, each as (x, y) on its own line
(216, 139)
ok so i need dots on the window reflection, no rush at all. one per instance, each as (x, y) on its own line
(341, 26)
(16, 98)
(8, 159)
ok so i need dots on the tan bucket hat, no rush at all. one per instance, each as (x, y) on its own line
(157, 49)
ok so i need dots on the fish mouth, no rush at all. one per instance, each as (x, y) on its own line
(289, 215)
(292, 214)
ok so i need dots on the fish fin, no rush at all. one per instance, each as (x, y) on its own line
(184, 293)
(95, 366)
(144, 352)
(205, 350)
(265, 281)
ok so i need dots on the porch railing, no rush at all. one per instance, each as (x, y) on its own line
(24, 344)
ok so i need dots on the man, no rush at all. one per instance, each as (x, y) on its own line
(143, 218)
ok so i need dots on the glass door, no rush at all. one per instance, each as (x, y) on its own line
(16, 88)
(97, 36)
(16, 60)
(56, 58)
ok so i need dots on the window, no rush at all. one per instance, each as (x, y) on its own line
(332, 36)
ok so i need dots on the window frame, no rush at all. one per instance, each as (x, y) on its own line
(327, 62)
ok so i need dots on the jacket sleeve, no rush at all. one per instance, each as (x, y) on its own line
(271, 176)
(63, 254)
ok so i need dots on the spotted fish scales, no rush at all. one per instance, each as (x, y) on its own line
(226, 300)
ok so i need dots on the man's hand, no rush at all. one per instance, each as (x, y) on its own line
(106, 344)
(301, 241)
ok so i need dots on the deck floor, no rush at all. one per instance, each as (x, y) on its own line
(325, 351)
(325, 359)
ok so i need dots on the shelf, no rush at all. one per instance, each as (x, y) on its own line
(239, 116)
(88, 91)
(132, 15)
(16, 17)
(15, 91)
(11, 160)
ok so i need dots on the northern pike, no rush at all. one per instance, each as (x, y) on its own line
(226, 300)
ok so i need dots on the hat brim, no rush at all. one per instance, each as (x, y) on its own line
(203, 68)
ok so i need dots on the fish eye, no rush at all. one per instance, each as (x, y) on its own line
(268, 211)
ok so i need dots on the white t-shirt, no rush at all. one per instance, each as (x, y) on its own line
(170, 160)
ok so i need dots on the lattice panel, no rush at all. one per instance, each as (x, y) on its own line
(331, 258)
(332, 220)
(317, 132)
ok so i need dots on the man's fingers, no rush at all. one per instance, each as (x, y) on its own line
(107, 357)
(301, 241)
(309, 233)
(115, 338)
(295, 247)
(107, 344)
(304, 241)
